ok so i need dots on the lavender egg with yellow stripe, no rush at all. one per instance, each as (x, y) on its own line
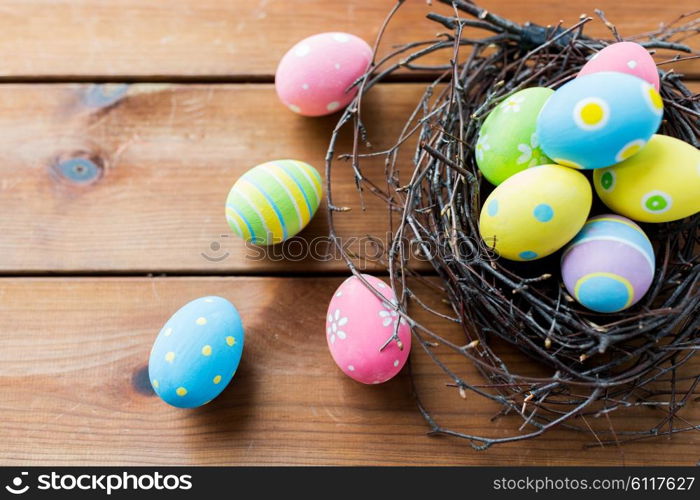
(197, 352)
(609, 265)
(599, 119)
(273, 201)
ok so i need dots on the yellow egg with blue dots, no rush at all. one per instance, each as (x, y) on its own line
(197, 352)
(273, 201)
(535, 212)
(659, 184)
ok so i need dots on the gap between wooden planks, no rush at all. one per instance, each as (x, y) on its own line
(166, 157)
(244, 40)
(74, 388)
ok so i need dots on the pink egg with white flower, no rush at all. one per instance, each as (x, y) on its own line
(359, 330)
(624, 57)
(313, 77)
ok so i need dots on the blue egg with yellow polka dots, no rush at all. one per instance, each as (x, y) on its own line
(197, 352)
(598, 120)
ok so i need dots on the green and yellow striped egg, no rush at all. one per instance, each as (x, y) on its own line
(272, 202)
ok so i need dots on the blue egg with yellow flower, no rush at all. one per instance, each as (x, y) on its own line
(197, 352)
(598, 120)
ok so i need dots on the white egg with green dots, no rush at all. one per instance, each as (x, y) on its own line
(197, 352)
(273, 201)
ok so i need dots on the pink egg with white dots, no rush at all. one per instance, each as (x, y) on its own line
(624, 57)
(358, 326)
(313, 77)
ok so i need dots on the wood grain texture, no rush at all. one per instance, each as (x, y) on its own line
(157, 165)
(132, 179)
(74, 388)
(244, 39)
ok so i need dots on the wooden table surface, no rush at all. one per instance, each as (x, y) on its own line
(166, 103)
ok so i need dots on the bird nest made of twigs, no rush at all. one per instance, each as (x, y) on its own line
(433, 191)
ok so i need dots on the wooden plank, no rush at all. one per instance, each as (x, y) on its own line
(74, 388)
(214, 39)
(165, 158)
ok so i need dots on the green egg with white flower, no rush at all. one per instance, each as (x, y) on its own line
(507, 142)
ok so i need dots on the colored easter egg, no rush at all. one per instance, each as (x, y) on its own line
(359, 324)
(535, 212)
(272, 202)
(313, 77)
(624, 57)
(197, 352)
(507, 140)
(599, 119)
(609, 265)
(660, 184)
